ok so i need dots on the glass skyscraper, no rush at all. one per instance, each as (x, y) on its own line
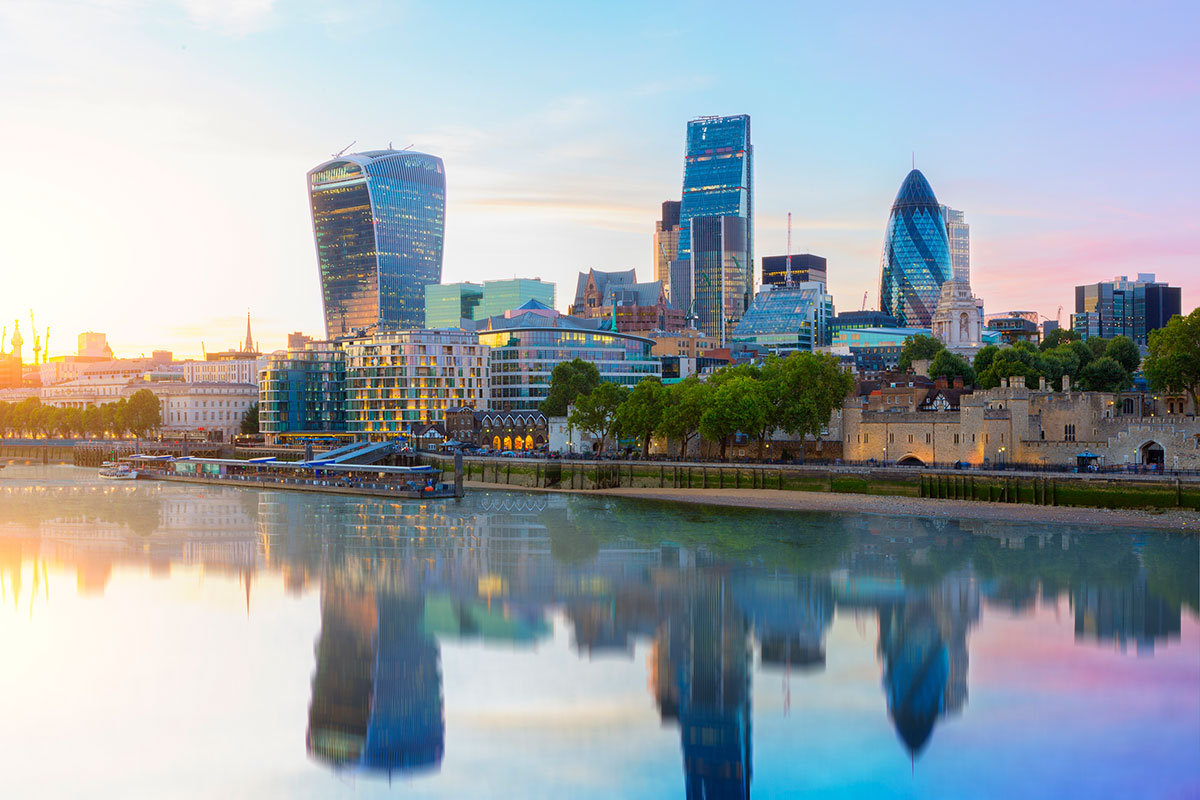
(505, 295)
(1122, 307)
(721, 278)
(448, 304)
(958, 232)
(378, 219)
(718, 180)
(916, 255)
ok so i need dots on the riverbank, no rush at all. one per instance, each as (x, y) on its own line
(790, 500)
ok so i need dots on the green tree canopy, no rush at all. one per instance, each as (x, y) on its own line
(250, 419)
(737, 405)
(1104, 375)
(984, 358)
(918, 348)
(1173, 363)
(596, 411)
(640, 414)
(93, 421)
(1057, 337)
(1122, 350)
(1097, 346)
(951, 365)
(144, 413)
(683, 405)
(569, 380)
(1083, 352)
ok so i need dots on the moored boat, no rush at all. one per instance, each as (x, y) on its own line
(117, 472)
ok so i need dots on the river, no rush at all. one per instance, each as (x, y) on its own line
(189, 641)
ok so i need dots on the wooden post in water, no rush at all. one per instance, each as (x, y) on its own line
(458, 474)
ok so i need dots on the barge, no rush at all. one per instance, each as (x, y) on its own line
(416, 482)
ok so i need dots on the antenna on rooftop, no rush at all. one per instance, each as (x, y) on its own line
(788, 277)
(914, 159)
(338, 154)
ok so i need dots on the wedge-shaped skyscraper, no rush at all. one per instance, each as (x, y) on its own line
(916, 255)
(378, 218)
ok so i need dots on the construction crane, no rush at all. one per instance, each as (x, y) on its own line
(864, 304)
(37, 343)
(46, 346)
(338, 154)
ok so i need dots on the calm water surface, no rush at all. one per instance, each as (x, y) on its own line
(166, 640)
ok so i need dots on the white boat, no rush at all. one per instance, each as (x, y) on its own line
(117, 472)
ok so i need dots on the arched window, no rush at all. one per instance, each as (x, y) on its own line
(518, 443)
(508, 443)
(495, 442)
(528, 442)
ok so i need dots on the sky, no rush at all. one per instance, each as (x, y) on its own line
(158, 149)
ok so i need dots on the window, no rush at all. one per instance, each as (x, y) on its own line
(910, 438)
(986, 437)
(866, 436)
(928, 438)
(1069, 433)
(891, 438)
(956, 438)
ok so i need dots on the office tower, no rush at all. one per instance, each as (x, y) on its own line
(1122, 307)
(916, 255)
(448, 304)
(378, 219)
(93, 345)
(720, 280)
(958, 233)
(666, 243)
(784, 319)
(501, 296)
(718, 180)
(804, 267)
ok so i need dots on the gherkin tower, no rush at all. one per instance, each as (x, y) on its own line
(916, 255)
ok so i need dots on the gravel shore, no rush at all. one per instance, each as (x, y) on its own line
(1178, 521)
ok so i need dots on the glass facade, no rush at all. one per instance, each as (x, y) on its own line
(303, 390)
(1122, 307)
(666, 243)
(501, 296)
(916, 254)
(448, 304)
(525, 348)
(718, 175)
(721, 279)
(804, 267)
(787, 318)
(958, 233)
(378, 220)
(396, 381)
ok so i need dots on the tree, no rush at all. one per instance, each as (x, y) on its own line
(1017, 361)
(812, 386)
(737, 405)
(250, 419)
(1058, 363)
(596, 411)
(115, 418)
(983, 360)
(640, 414)
(950, 366)
(144, 413)
(1173, 363)
(93, 421)
(1104, 375)
(1122, 350)
(918, 348)
(1057, 337)
(1097, 346)
(1083, 352)
(683, 405)
(569, 380)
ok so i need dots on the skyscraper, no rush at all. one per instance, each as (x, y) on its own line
(505, 295)
(916, 255)
(718, 180)
(958, 232)
(448, 304)
(804, 267)
(721, 281)
(378, 219)
(1122, 307)
(666, 243)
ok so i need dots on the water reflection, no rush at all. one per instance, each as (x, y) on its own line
(711, 594)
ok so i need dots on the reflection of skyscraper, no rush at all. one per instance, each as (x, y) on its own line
(377, 699)
(378, 218)
(916, 255)
(916, 669)
(1122, 613)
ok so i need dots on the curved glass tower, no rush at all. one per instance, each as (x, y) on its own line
(916, 255)
(378, 218)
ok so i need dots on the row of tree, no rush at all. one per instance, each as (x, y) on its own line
(796, 395)
(139, 415)
(1098, 365)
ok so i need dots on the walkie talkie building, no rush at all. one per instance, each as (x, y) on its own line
(378, 219)
(916, 255)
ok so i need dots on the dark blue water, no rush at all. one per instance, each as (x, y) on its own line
(172, 640)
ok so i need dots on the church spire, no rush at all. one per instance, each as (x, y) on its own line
(249, 346)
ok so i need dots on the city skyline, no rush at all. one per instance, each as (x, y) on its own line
(549, 176)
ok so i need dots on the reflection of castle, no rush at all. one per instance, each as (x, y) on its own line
(1123, 613)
